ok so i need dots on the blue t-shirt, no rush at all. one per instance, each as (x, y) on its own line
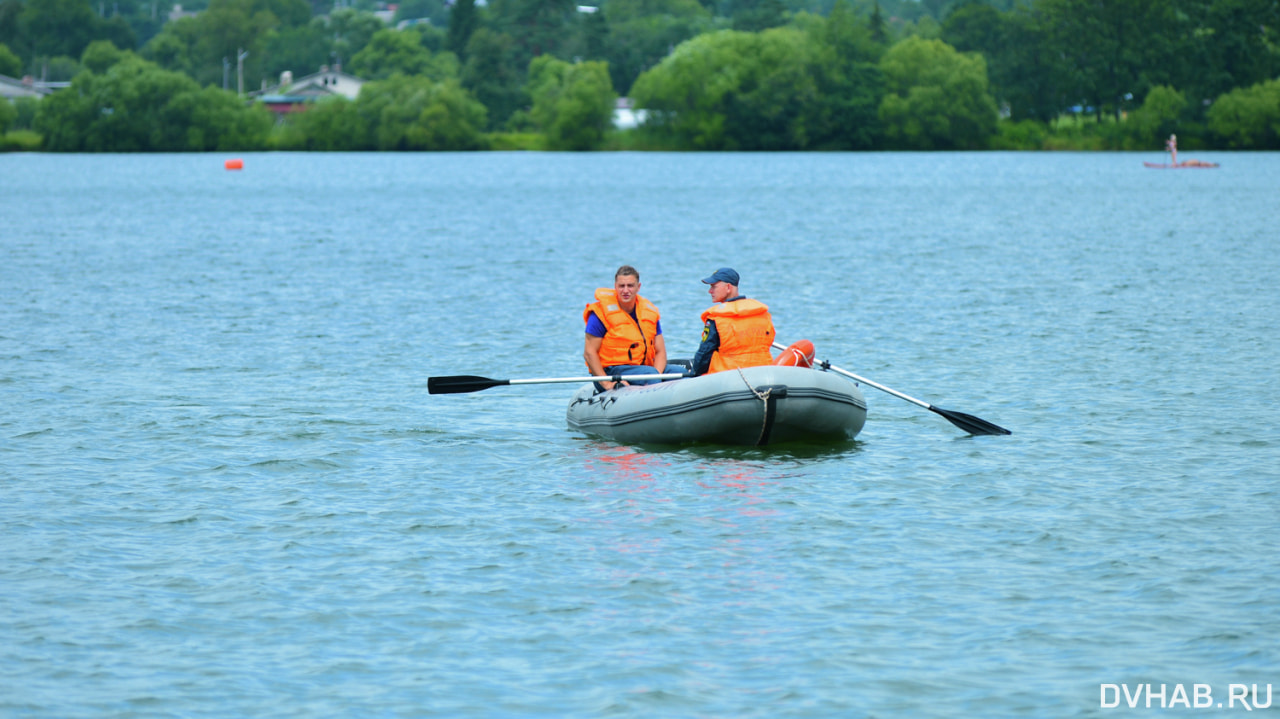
(596, 328)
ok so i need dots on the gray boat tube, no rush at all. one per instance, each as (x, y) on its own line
(754, 406)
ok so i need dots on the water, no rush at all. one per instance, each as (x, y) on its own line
(225, 491)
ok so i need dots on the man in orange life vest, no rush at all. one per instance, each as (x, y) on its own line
(736, 332)
(624, 334)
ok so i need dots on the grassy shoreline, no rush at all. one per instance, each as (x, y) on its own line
(1067, 134)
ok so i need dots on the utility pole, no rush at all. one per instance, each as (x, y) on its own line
(240, 70)
(226, 73)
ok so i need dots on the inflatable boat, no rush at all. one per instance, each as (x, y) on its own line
(752, 406)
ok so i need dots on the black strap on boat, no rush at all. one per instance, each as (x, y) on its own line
(770, 394)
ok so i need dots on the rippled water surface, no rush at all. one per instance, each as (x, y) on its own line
(225, 491)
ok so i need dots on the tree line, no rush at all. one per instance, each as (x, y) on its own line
(710, 74)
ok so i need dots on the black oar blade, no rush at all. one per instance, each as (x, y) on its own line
(969, 423)
(458, 384)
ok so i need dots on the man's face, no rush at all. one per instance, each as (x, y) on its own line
(720, 291)
(626, 287)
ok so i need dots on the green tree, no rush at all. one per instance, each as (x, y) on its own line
(300, 50)
(171, 49)
(1029, 76)
(8, 115)
(848, 36)
(973, 27)
(414, 113)
(434, 12)
(144, 17)
(27, 107)
(757, 15)
(572, 104)
(199, 46)
(849, 86)
(595, 36)
(57, 27)
(10, 64)
(642, 32)
(770, 110)
(393, 51)
(44, 28)
(776, 90)
(226, 29)
(688, 94)
(539, 27)
(333, 124)
(937, 9)
(1248, 118)
(59, 69)
(352, 31)
(463, 22)
(491, 74)
(1158, 117)
(1228, 44)
(937, 98)
(117, 31)
(136, 106)
(10, 29)
(101, 55)
(432, 38)
(879, 29)
(1026, 78)
(1111, 50)
(208, 119)
(452, 120)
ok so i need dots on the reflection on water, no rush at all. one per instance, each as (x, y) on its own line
(797, 453)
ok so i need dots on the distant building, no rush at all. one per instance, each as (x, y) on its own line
(11, 89)
(297, 95)
(625, 117)
(177, 13)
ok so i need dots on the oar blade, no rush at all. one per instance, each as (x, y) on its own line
(969, 423)
(457, 384)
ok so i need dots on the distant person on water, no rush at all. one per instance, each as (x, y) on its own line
(737, 331)
(1172, 146)
(624, 334)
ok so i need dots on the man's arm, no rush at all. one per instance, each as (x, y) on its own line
(710, 343)
(659, 354)
(591, 353)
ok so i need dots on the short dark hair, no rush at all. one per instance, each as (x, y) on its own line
(627, 270)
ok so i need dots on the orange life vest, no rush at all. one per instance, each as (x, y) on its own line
(624, 342)
(746, 333)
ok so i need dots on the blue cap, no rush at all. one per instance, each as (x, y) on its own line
(724, 274)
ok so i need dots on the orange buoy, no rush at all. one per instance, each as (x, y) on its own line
(236, 164)
(799, 354)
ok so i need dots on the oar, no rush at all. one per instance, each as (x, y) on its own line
(966, 422)
(458, 384)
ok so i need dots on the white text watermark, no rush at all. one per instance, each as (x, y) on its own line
(1189, 696)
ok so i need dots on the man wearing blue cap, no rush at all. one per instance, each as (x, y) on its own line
(736, 332)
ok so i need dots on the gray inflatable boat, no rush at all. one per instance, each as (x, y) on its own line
(753, 406)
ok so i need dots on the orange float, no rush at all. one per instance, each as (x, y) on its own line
(799, 354)
(236, 164)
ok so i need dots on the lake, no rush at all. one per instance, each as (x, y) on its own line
(225, 491)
